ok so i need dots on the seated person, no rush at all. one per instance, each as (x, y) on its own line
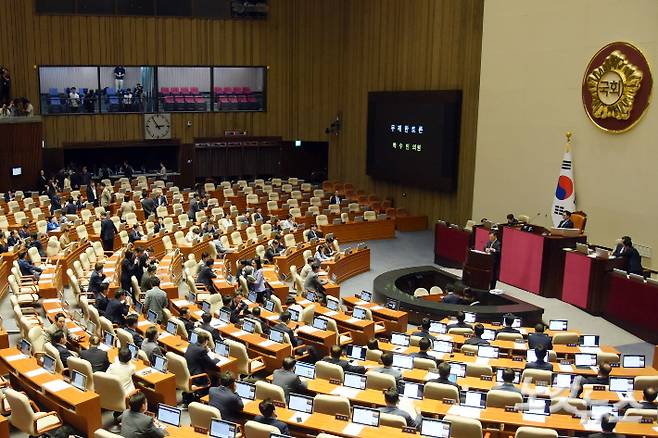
(511, 220)
(508, 321)
(424, 330)
(444, 376)
(206, 275)
(289, 223)
(312, 282)
(135, 422)
(268, 416)
(224, 398)
(424, 345)
(255, 314)
(308, 267)
(373, 344)
(649, 401)
(392, 399)
(59, 324)
(540, 363)
(387, 368)
(282, 325)
(123, 369)
(451, 297)
(134, 234)
(601, 378)
(26, 266)
(199, 361)
(117, 308)
(206, 318)
(461, 317)
(320, 256)
(633, 261)
(608, 423)
(566, 221)
(313, 233)
(476, 339)
(59, 342)
(539, 338)
(286, 378)
(150, 344)
(335, 358)
(95, 356)
(508, 382)
(131, 327)
(184, 315)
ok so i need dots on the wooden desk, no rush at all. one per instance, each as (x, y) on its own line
(360, 231)
(294, 256)
(631, 304)
(82, 410)
(361, 330)
(344, 266)
(393, 320)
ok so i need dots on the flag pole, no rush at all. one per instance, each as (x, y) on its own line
(569, 134)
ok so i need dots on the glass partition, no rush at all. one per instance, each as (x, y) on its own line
(184, 89)
(68, 90)
(239, 88)
(127, 89)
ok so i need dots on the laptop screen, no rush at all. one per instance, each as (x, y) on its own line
(400, 339)
(540, 406)
(621, 384)
(474, 399)
(589, 340)
(269, 305)
(438, 327)
(597, 411)
(320, 323)
(294, 314)
(300, 403)
(222, 429)
(499, 376)
(585, 359)
(633, 361)
(515, 324)
(151, 316)
(91, 328)
(172, 327)
(353, 380)
(139, 307)
(252, 296)
(489, 334)
(25, 347)
(558, 325)
(78, 380)
(412, 390)
(365, 296)
(531, 355)
(276, 336)
(169, 415)
(133, 350)
(332, 305)
(191, 297)
(108, 339)
(392, 304)
(403, 361)
(488, 351)
(221, 349)
(365, 416)
(469, 317)
(303, 369)
(225, 315)
(563, 380)
(310, 296)
(359, 313)
(205, 306)
(434, 428)
(458, 369)
(193, 337)
(443, 346)
(357, 352)
(160, 363)
(248, 325)
(245, 390)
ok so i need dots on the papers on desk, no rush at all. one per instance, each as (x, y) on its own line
(361, 303)
(565, 368)
(55, 309)
(331, 313)
(431, 376)
(304, 302)
(307, 329)
(535, 418)
(482, 361)
(222, 360)
(444, 338)
(145, 371)
(56, 385)
(275, 283)
(199, 313)
(353, 429)
(436, 355)
(34, 373)
(272, 317)
(104, 347)
(144, 322)
(75, 329)
(345, 391)
(376, 307)
(239, 333)
(400, 349)
(49, 300)
(266, 343)
(181, 303)
(15, 357)
(592, 425)
(353, 320)
(590, 350)
(299, 417)
(215, 323)
(164, 335)
(523, 331)
(464, 411)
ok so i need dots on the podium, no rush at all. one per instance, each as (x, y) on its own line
(451, 244)
(478, 269)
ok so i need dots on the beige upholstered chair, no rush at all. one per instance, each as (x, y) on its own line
(102, 433)
(245, 365)
(392, 420)
(636, 412)
(421, 292)
(253, 429)
(460, 331)
(565, 338)
(464, 427)
(440, 391)
(374, 355)
(268, 390)
(534, 432)
(477, 370)
(111, 391)
(509, 336)
(184, 381)
(26, 417)
(84, 367)
(379, 381)
(497, 398)
(536, 376)
(603, 357)
(201, 415)
(327, 371)
(642, 382)
(423, 363)
(331, 404)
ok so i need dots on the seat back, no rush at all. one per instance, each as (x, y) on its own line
(423, 363)
(643, 382)
(497, 398)
(327, 371)
(331, 404)
(52, 351)
(534, 432)
(201, 415)
(239, 352)
(466, 427)
(536, 376)
(84, 367)
(379, 381)
(111, 392)
(564, 338)
(22, 415)
(392, 420)
(567, 406)
(176, 364)
(421, 292)
(253, 429)
(321, 220)
(508, 336)
(440, 391)
(268, 390)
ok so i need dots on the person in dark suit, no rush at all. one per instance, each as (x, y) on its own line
(494, 247)
(225, 399)
(444, 374)
(199, 362)
(540, 363)
(313, 233)
(539, 338)
(335, 353)
(58, 341)
(392, 398)
(131, 327)
(160, 200)
(134, 235)
(134, 421)
(649, 401)
(476, 339)
(128, 269)
(255, 314)
(451, 297)
(95, 356)
(424, 346)
(633, 261)
(108, 231)
(24, 231)
(334, 199)
(148, 204)
(117, 308)
(101, 299)
(268, 416)
(26, 267)
(601, 378)
(508, 321)
(92, 197)
(286, 378)
(511, 220)
(206, 318)
(194, 207)
(96, 279)
(184, 315)
(206, 275)
(273, 250)
(387, 361)
(566, 221)
(460, 322)
(424, 330)
(282, 326)
(608, 423)
(508, 382)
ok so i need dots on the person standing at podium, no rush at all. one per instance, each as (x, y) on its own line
(493, 247)
(633, 261)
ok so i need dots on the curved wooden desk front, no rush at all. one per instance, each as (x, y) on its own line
(351, 263)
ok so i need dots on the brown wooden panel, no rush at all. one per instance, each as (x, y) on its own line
(20, 146)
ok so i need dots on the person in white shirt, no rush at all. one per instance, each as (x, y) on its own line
(307, 268)
(224, 224)
(319, 254)
(128, 97)
(289, 223)
(194, 233)
(74, 100)
(163, 171)
(123, 369)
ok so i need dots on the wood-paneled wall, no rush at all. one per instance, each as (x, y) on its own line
(323, 58)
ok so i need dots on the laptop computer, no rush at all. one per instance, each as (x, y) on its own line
(400, 339)
(191, 297)
(91, 328)
(222, 429)
(499, 376)
(558, 325)
(469, 317)
(221, 349)
(601, 253)
(438, 327)
(365, 296)
(537, 406)
(597, 411)
(25, 347)
(357, 352)
(489, 335)
(300, 403)
(252, 296)
(109, 339)
(139, 307)
(194, 337)
(515, 324)
(359, 313)
(304, 369)
(434, 428)
(443, 346)
(172, 328)
(403, 361)
(277, 336)
(621, 384)
(205, 306)
(458, 369)
(169, 415)
(294, 314)
(582, 248)
(588, 340)
(246, 391)
(412, 390)
(269, 305)
(249, 325)
(333, 305)
(159, 363)
(531, 355)
(584, 360)
(320, 323)
(225, 315)
(133, 350)
(633, 361)
(151, 316)
(353, 380)
(392, 304)
(488, 351)
(365, 416)
(474, 399)
(79, 380)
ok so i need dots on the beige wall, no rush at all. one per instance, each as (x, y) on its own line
(534, 54)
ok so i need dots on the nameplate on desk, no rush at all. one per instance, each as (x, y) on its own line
(331, 313)
(272, 317)
(144, 371)
(571, 345)
(648, 420)
(278, 403)
(598, 388)
(164, 335)
(517, 358)
(342, 417)
(510, 409)
(335, 382)
(469, 353)
(448, 401)
(144, 322)
(180, 303)
(486, 378)
(304, 302)
(200, 430)
(407, 429)
(614, 364)
(565, 362)
(50, 300)
(308, 329)
(352, 320)
(496, 323)
(534, 418)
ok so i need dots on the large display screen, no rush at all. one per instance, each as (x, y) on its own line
(413, 138)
